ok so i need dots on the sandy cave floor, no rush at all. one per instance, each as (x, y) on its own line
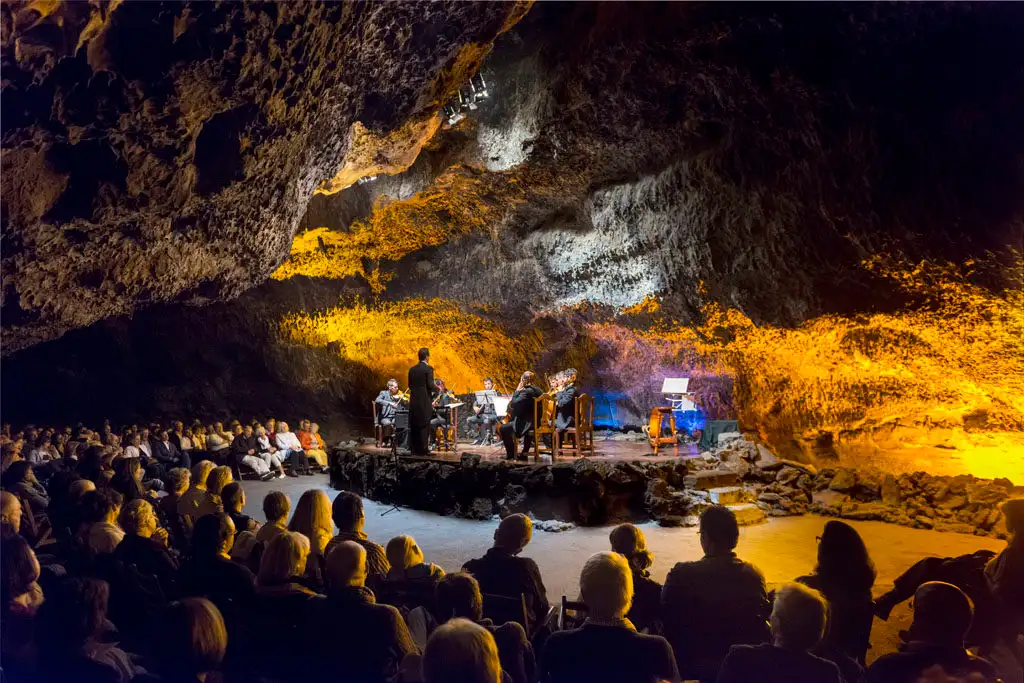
(783, 548)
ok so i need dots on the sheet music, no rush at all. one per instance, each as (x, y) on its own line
(485, 397)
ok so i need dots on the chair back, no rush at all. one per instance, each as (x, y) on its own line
(584, 412)
(544, 412)
(373, 411)
(572, 615)
(502, 609)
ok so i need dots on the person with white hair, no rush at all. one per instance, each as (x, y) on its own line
(349, 631)
(10, 512)
(290, 450)
(797, 626)
(145, 545)
(606, 587)
(461, 652)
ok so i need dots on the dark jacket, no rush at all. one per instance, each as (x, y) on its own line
(501, 573)
(710, 605)
(850, 615)
(166, 453)
(521, 408)
(565, 407)
(908, 666)
(282, 609)
(514, 650)
(421, 393)
(645, 612)
(152, 559)
(241, 445)
(607, 653)
(350, 633)
(227, 584)
(384, 408)
(766, 663)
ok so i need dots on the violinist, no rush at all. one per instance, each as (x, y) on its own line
(565, 400)
(387, 402)
(442, 414)
(520, 413)
(484, 416)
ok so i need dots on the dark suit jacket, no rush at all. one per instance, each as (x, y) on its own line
(501, 573)
(907, 667)
(565, 407)
(521, 408)
(421, 394)
(165, 452)
(770, 664)
(240, 445)
(607, 653)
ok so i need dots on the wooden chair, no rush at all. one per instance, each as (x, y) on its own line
(572, 614)
(582, 429)
(543, 423)
(378, 428)
(502, 609)
(660, 418)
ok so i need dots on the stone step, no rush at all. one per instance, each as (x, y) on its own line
(726, 495)
(705, 480)
(747, 514)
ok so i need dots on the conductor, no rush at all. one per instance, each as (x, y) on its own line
(421, 394)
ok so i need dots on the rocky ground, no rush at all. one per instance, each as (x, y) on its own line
(738, 473)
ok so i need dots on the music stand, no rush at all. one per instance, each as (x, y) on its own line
(401, 421)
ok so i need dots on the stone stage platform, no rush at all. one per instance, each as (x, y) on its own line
(623, 481)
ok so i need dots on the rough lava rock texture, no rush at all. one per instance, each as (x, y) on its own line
(166, 151)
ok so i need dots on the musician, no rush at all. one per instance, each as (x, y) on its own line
(520, 412)
(387, 402)
(442, 414)
(565, 400)
(483, 417)
(421, 394)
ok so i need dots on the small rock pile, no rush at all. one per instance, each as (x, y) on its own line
(964, 504)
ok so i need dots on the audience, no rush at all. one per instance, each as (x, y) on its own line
(20, 480)
(310, 445)
(102, 508)
(711, 604)
(215, 483)
(211, 574)
(645, 612)
(167, 454)
(291, 450)
(145, 546)
(233, 497)
(192, 642)
(197, 501)
(1004, 575)
(312, 519)
(942, 616)
(459, 596)
(10, 513)
(797, 626)
(245, 449)
(349, 631)
(606, 587)
(178, 480)
(347, 512)
(461, 652)
(276, 506)
(502, 572)
(406, 560)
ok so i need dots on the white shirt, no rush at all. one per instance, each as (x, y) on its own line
(144, 447)
(264, 442)
(131, 451)
(215, 442)
(288, 441)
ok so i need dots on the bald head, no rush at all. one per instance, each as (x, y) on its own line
(514, 533)
(80, 487)
(346, 565)
(10, 510)
(942, 614)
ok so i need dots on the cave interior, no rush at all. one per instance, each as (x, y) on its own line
(814, 211)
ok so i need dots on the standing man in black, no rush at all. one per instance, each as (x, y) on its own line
(520, 410)
(421, 394)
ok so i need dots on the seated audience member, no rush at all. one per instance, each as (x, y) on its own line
(10, 513)
(406, 560)
(269, 452)
(42, 451)
(458, 596)
(318, 438)
(233, 497)
(310, 445)
(312, 519)
(127, 480)
(178, 480)
(102, 508)
(502, 572)
(133, 450)
(1004, 575)
(146, 444)
(245, 450)
(72, 624)
(942, 616)
(21, 598)
(645, 612)
(461, 652)
(197, 500)
(714, 603)
(217, 440)
(215, 483)
(276, 506)
(20, 480)
(606, 586)
(167, 454)
(797, 626)
(291, 449)
(210, 573)
(191, 642)
(347, 512)
(349, 631)
(145, 545)
(198, 437)
(844, 575)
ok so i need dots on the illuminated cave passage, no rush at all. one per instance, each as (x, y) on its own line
(815, 212)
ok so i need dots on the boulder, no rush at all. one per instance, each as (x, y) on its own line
(725, 438)
(788, 475)
(765, 457)
(924, 522)
(844, 481)
(891, 491)
(747, 514)
(726, 495)
(769, 498)
(552, 525)
(864, 511)
(709, 479)
(953, 503)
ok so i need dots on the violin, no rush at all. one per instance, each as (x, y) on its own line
(447, 392)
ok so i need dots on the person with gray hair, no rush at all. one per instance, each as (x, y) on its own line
(645, 613)
(349, 631)
(797, 626)
(606, 587)
(502, 572)
(461, 652)
(942, 617)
